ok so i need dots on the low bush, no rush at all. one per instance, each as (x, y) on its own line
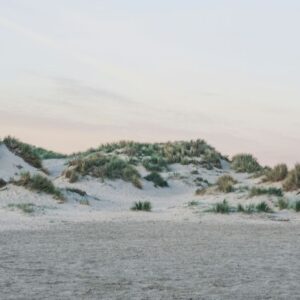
(297, 205)
(157, 180)
(155, 164)
(225, 184)
(292, 181)
(140, 205)
(245, 163)
(255, 191)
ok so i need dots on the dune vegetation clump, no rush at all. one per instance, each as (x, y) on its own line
(23, 150)
(245, 163)
(157, 179)
(221, 207)
(26, 208)
(106, 166)
(272, 191)
(278, 173)
(157, 156)
(292, 181)
(39, 183)
(142, 206)
(226, 184)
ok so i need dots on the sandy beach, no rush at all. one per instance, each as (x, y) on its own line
(152, 260)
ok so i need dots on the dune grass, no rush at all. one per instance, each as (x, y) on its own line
(39, 183)
(142, 206)
(157, 179)
(282, 203)
(23, 150)
(221, 207)
(104, 166)
(257, 191)
(278, 173)
(245, 163)
(292, 181)
(226, 183)
(26, 208)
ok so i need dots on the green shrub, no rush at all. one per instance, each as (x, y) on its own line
(157, 179)
(292, 181)
(248, 209)
(225, 183)
(255, 191)
(221, 207)
(245, 163)
(24, 151)
(278, 173)
(263, 207)
(39, 183)
(145, 206)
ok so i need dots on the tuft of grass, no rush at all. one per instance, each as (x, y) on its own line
(142, 206)
(157, 179)
(225, 184)
(263, 207)
(155, 164)
(245, 163)
(292, 181)
(25, 151)
(221, 207)
(278, 173)
(2, 183)
(193, 203)
(39, 183)
(297, 205)
(282, 203)
(27, 208)
(255, 191)
(200, 192)
(84, 202)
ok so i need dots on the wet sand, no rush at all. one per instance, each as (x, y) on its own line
(152, 260)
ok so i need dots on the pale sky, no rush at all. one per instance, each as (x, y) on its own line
(76, 73)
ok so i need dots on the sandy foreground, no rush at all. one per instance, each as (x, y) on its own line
(212, 258)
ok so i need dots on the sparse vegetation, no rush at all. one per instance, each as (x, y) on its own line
(225, 184)
(39, 183)
(245, 163)
(292, 181)
(200, 192)
(193, 203)
(251, 208)
(278, 173)
(157, 180)
(84, 202)
(77, 191)
(142, 206)
(26, 208)
(257, 191)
